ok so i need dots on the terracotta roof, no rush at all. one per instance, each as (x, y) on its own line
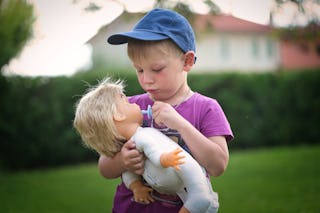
(228, 23)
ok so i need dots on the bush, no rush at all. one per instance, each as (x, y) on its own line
(267, 109)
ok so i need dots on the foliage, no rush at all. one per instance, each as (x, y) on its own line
(182, 7)
(36, 123)
(301, 8)
(266, 109)
(269, 180)
(16, 19)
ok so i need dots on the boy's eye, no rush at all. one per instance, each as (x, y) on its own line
(139, 70)
(157, 69)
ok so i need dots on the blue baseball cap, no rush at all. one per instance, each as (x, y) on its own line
(160, 24)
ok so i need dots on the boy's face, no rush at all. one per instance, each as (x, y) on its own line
(161, 75)
(131, 111)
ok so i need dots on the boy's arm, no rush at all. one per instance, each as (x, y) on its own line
(110, 167)
(212, 153)
(128, 159)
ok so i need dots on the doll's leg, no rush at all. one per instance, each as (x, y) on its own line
(184, 210)
(141, 192)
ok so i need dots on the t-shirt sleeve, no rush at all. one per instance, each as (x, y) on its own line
(214, 121)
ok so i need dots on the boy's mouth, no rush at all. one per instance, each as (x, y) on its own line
(152, 91)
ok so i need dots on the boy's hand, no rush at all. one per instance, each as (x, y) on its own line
(132, 159)
(165, 114)
(172, 159)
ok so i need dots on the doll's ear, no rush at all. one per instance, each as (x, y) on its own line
(119, 117)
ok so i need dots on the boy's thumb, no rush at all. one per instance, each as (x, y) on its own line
(130, 145)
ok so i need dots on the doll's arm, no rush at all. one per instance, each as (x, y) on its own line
(172, 159)
(159, 148)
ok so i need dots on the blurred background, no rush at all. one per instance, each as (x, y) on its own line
(259, 59)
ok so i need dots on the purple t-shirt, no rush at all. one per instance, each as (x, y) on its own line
(205, 114)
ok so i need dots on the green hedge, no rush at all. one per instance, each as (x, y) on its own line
(267, 109)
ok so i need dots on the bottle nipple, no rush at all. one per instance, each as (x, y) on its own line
(147, 112)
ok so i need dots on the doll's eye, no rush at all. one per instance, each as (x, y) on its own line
(124, 98)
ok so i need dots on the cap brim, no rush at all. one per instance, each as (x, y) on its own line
(122, 38)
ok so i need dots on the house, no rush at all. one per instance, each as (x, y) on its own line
(235, 44)
(224, 43)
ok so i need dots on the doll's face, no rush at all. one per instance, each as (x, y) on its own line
(131, 110)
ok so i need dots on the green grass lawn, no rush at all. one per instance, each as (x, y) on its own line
(268, 180)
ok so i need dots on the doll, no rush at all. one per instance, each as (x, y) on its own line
(105, 120)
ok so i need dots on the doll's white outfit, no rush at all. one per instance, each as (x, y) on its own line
(189, 183)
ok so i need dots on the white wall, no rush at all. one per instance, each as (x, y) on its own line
(242, 52)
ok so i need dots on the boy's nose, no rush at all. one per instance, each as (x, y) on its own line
(147, 78)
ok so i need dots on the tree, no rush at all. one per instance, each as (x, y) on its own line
(16, 20)
(306, 10)
(183, 7)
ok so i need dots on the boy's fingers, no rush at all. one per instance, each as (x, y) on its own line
(130, 144)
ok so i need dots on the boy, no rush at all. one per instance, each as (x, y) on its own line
(162, 49)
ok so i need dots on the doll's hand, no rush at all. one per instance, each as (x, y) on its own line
(132, 159)
(172, 159)
(141, 192)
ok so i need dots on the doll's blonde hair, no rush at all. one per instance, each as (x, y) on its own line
(94, 117)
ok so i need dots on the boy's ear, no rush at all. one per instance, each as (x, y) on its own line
(189, 60)
(119, 117)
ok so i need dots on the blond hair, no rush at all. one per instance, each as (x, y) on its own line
(138, 49)
(94, 117)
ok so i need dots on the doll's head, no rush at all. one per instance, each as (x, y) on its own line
(94, 117)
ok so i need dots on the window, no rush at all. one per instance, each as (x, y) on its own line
(224, 49)
(255, 48)
(270, 48)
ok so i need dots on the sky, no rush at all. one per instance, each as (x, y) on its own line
(62, 28)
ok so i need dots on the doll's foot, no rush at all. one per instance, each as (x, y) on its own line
(141, 193)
